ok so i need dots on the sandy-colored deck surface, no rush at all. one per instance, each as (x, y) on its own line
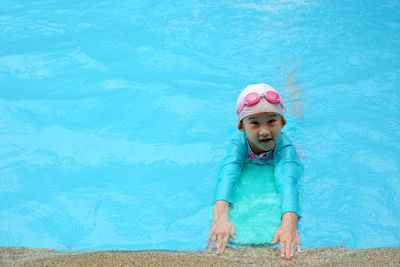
(337, 256)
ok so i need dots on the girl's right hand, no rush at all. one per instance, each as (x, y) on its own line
(220, 231)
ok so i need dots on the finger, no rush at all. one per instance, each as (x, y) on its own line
(287, 250)
(276, 238)
(211, 242)
(233, 232)
(224, 243)
(298, 246)
(292, 246)
(220, 243)
(210, 235)
(282, 248)
(298, 243)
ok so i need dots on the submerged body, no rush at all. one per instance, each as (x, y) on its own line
(256, 213)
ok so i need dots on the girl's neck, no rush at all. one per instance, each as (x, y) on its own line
(256, 150)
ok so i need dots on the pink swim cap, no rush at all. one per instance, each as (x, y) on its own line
(275, 105)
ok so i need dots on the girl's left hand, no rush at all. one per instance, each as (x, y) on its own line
(287, 235)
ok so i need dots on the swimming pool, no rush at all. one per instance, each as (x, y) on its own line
(114, 117)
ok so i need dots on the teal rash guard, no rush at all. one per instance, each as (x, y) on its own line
(287, 170)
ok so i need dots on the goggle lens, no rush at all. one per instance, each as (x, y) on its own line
(252, 99)
(272, 97)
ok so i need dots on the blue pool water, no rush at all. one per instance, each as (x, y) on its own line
(114, 116)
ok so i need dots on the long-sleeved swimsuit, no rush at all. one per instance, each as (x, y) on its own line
(288, 169)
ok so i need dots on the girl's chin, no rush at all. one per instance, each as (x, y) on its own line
(265, 148)
(260, 147)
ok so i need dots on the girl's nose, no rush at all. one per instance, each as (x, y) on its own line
(264, 132)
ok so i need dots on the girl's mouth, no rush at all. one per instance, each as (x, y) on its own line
(266, 140)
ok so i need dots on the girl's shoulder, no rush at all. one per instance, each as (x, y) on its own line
(285, 149)
(238, 144)
(284, 141)
(239, 137)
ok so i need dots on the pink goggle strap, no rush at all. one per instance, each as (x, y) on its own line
(251, 100)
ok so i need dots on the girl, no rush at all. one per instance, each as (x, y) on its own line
(259, 141)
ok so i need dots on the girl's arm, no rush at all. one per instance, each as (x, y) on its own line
(222, 228)
(288, 171)
(230, 170)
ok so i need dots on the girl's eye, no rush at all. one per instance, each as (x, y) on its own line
(253, 122)
(272, 121)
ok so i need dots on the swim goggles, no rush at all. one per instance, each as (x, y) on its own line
(253, 98)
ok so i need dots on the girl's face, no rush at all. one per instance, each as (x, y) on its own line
(263, 130)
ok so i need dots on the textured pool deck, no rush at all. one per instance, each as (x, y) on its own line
(335, 256)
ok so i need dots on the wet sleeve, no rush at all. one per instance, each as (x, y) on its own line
(229, 172)
(288, 171)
